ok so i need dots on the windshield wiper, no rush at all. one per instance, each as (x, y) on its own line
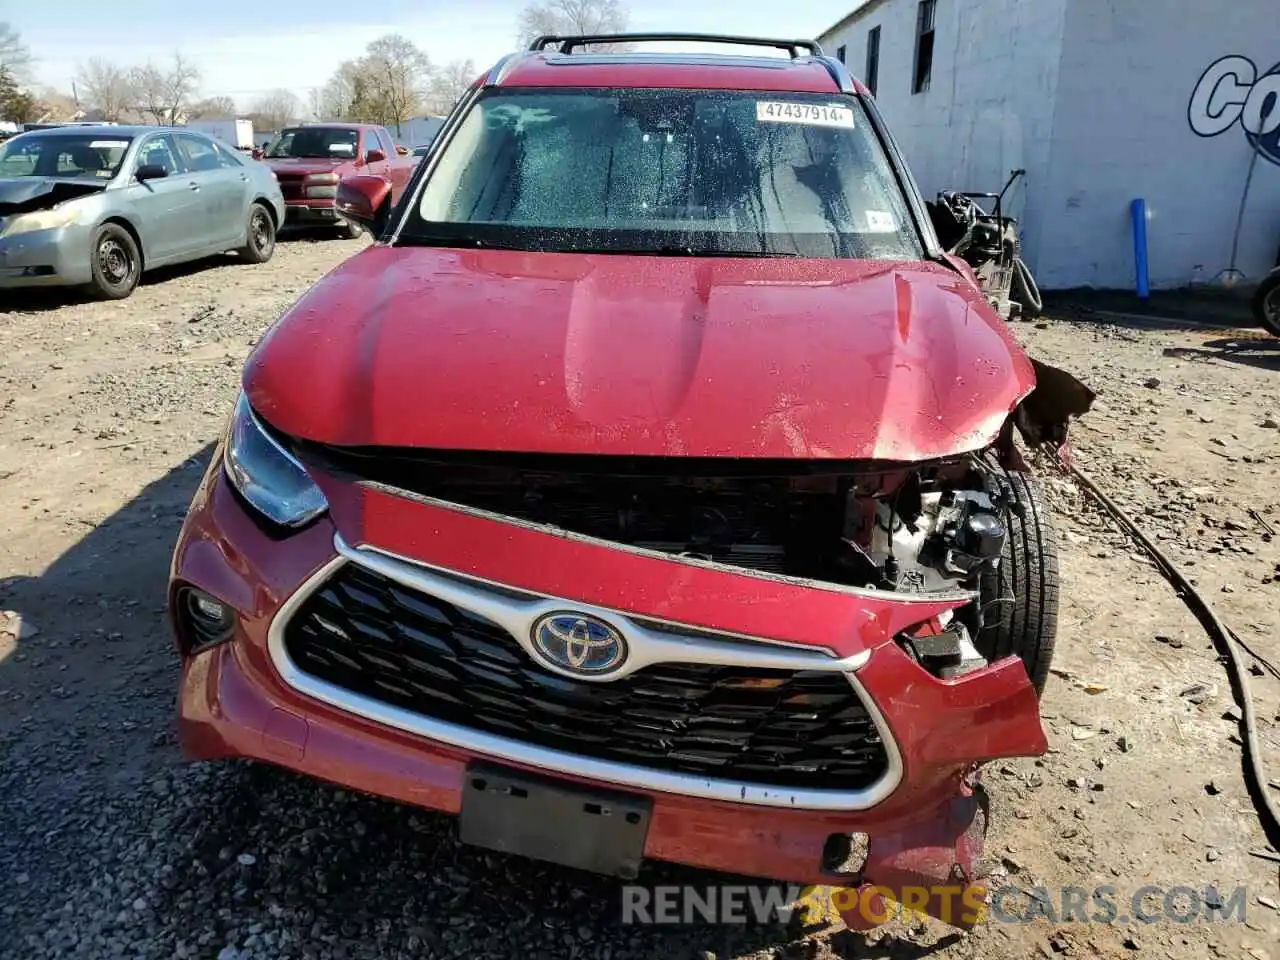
(461, 240)
(676, 251)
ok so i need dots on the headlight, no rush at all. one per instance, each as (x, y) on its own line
(266, 474)
(41, 220)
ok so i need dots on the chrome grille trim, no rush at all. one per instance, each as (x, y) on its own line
(648, 645)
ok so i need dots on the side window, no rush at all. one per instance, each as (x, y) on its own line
(158, 152)
(871, 76)
(923, 72)
(227, 156)
(201, 155)
(388, 147)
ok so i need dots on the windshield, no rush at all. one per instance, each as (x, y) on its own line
(330, 143)
(667, 171)
(80, 156)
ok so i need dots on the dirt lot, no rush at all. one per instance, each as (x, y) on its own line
(111, 846)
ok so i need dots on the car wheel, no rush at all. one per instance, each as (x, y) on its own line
(1020, 597)
(1266, 304)
(260, 235)
(351, 230)
(116, 264)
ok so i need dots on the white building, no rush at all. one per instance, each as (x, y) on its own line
(1102, 102)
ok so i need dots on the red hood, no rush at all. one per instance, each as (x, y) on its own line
(305, 165)
(603, 354)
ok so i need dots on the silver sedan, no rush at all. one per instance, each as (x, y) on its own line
(97, 206)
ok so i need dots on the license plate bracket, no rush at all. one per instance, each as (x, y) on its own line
(514, 812)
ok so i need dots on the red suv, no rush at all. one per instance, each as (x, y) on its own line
(649, 489)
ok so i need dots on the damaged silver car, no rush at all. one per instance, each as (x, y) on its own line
(98, 206)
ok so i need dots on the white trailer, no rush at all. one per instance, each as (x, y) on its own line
(237, 133)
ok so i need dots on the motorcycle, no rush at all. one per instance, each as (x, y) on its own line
(988, 242)
(1266, 303)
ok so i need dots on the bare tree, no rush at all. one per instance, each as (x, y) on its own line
(397, 73)
(574, 18)
(15, 56)
(106, 88)
(337, 99)
(165, 94)
(277, 109)
(213, 108)
(450, 82)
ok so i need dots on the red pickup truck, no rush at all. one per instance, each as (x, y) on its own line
(309, 160)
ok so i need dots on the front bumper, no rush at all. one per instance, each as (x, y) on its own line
(45, 258)
(302, 212)
(924, 821)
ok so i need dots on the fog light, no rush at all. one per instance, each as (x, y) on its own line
(845, 854)
(203, 620)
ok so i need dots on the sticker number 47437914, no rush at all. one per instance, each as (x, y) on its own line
(815, 114)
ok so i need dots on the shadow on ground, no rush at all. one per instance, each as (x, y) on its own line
(42, 299)
(1259, 350)
(97, 654)
(100, 812)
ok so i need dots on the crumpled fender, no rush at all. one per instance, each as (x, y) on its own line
(1043, 416)
(29, 194)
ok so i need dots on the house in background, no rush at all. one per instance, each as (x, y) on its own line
(1102, 102)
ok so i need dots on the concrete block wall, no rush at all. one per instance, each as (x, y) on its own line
(990, 103)
(1091, 97)
(1121, 131)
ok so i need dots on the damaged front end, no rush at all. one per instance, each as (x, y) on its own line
(35, 194)
(822, 653)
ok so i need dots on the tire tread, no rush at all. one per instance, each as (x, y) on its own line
(1028, 574)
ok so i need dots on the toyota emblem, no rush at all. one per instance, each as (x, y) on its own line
(579, 643)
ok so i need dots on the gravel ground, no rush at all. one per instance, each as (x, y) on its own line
(112, 846)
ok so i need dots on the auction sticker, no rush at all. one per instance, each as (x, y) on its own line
(813, 114)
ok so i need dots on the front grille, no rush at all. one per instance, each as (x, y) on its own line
(290, 185)
(797, 729)
(760, 516)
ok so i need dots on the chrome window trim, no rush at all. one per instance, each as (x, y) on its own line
(699, 649)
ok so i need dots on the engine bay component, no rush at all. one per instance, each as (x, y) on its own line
(913, 528)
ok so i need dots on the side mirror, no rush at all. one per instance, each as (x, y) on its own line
(365, 200)
(374, 156)
(150, 171)
(257, 153)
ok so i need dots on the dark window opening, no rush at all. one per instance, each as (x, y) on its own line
(872, 74)
(924, 47)
(840, 51)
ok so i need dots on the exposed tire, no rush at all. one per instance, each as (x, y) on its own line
(1025, 291)
(260, 235)
(1021, 596)
(1266, 303)
(115, 262)
(350, 230)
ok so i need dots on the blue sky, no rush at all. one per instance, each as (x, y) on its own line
(246, 47)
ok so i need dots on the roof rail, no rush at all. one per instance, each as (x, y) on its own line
(567, 44)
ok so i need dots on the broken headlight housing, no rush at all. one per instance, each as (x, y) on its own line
(267, 475)
(40, 220)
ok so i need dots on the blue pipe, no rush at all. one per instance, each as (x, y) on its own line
(1139, 211)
